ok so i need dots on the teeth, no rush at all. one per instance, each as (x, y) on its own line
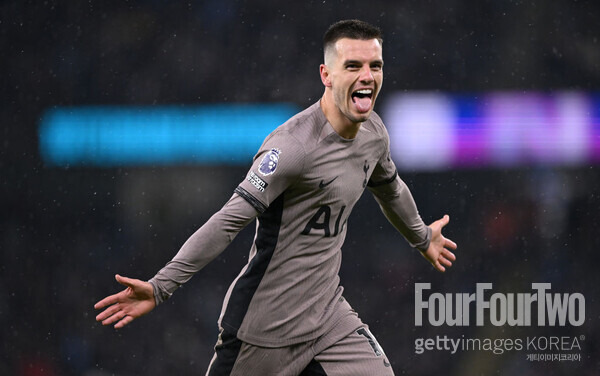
(365, 91)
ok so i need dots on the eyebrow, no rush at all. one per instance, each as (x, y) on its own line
(352, 62)
(380, 62)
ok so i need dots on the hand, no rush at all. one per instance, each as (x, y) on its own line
(437, 253)
(124, 307)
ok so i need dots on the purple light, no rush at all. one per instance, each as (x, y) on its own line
(435, 131)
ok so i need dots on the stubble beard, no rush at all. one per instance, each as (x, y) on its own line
(344, 105)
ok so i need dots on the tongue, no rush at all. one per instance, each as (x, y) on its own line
(362, 104)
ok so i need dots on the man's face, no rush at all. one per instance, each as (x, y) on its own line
(354, 72)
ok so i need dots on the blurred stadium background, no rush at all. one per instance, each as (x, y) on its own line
(109, 163)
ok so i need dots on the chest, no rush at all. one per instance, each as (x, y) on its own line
(338, 173)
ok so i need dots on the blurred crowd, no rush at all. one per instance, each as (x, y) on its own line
(65, 232)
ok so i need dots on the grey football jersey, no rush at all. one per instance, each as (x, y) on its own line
(304, 181)
(302, 186)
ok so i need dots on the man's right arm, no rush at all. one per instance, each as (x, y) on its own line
(203, 246)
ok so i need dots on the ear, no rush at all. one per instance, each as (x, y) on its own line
(325, 78)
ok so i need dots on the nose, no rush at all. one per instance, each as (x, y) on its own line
(366, 75)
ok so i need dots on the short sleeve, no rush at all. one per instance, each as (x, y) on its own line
(278, 164)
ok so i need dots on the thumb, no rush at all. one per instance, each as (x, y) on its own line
(444, 220)
(124, 280)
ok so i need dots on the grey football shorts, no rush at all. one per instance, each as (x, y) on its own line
(348, 349)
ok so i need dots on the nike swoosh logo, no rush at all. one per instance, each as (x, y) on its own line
(323, 184)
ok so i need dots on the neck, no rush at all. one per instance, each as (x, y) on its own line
(340, 123)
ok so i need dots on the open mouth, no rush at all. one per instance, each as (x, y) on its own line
(363, 99)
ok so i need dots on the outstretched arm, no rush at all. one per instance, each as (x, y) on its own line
(400, 209)
(135, 301)
(438, 253)
(204, 245)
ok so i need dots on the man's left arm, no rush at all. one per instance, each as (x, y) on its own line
(400, 209)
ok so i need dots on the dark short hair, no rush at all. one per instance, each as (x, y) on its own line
(353, 29)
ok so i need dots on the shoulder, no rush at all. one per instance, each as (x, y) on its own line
(305, 127)
(290, 143)
(375, 125)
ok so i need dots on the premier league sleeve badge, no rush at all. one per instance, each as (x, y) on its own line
(268, 165)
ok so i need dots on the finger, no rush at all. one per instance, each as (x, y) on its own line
(108, 312)
(444, 220)
(125, 281)
(114, 318)
(126, 320)
(440, 223)
(109, 300)
(446, 262)
(439, 266)
(449, 244)
(449, 255)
